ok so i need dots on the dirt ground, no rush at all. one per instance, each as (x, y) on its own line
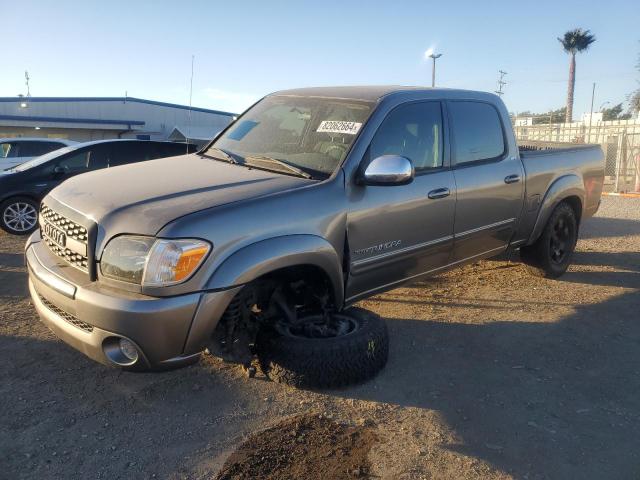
(492, 374)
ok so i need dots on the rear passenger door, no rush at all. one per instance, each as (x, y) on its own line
(489, 181)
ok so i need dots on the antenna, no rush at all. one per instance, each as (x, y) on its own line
(501, 83)
(190, 97)
(26, 78)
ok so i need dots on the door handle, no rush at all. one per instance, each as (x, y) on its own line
(512, 179)
(438, 193)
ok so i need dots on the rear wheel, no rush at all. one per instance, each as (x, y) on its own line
(551, 254)
(345, 348)
(19, 215)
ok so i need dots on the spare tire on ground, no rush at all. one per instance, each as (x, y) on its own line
(351, 347)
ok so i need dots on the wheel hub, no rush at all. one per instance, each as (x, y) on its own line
(319, 326)
(20, 216)
(560, 238)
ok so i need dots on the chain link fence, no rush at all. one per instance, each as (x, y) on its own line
(620, 142)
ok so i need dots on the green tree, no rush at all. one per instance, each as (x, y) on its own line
(574, 42)
(615, 113)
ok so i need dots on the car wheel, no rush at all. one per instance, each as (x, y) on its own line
(550, 255)
(348, 347)
(19, 215)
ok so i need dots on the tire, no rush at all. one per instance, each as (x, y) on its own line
(326, 362)
(19, 215)
(550, 255)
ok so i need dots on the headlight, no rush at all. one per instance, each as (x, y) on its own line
(152, 262)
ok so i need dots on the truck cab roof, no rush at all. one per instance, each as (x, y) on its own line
(374, 93)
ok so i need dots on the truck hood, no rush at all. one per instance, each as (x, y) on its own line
(143, 197)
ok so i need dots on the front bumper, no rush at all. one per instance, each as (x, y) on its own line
(168, 331)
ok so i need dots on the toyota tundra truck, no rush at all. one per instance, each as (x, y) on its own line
(257, 247)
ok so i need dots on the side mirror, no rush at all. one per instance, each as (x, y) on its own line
(388, 170)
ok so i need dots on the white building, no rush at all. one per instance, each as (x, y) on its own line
(595, 118)
(94, 118)
(523, 121)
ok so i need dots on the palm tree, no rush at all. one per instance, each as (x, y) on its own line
(574, 41)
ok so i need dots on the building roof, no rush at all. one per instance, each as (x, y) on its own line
(182, 133)
(111, 99)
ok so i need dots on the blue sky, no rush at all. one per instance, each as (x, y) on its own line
(245, 49)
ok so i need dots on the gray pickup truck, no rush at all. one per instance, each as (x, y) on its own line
(255, 248)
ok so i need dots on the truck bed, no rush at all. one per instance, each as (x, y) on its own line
(547, 162)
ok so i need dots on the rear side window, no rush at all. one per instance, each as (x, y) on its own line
(169, 149)
(35, 149)
(413, 131)
(131, 152)
(477, 132)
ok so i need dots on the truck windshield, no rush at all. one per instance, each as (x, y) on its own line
(309, 133)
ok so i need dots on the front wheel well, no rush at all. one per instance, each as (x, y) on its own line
(280, 295)
(304, 277)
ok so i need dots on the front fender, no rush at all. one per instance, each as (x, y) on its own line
(266, 256)
(564, 187)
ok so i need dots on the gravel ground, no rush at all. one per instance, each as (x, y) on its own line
(492, 374)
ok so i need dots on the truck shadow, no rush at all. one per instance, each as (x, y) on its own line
(559, 399)
(608, 227)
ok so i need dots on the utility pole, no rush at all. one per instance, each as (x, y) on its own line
(434, 57)
(190, 98)
(593, 93)
(26, 77)
(501, 83)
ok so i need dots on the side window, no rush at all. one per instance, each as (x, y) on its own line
(168, 149)
(9, 150)
(414, 131)
(77, 162)
(99, 156)
(477, 132)
(130, 152)
(35, 149)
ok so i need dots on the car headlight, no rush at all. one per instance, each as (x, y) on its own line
(152, 262)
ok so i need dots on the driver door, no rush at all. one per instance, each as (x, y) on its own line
(396, 233)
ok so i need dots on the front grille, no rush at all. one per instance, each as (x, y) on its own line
(72, 319)
(72, 231)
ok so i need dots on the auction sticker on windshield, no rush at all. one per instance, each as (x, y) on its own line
(336, 126)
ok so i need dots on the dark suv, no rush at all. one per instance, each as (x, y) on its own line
(22, 187)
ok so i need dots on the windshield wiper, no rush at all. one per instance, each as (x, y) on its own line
(225, 156)
(261, 158)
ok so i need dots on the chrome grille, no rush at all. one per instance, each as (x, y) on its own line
(72, 230)
(67, 317)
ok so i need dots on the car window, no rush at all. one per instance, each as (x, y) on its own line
(35, 149)
(169, 149)
(477, 132)
(413, 131)
(9, 150)
(99, 156)
(75, 163)
(130, 152)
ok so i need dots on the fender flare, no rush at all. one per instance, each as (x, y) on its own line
(260, 258)
(562, 188)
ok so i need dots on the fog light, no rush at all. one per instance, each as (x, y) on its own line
(128, 349)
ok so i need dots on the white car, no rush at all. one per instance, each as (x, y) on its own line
(14, 151)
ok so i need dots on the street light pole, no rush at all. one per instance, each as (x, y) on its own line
(593, 94)
(434, 56)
